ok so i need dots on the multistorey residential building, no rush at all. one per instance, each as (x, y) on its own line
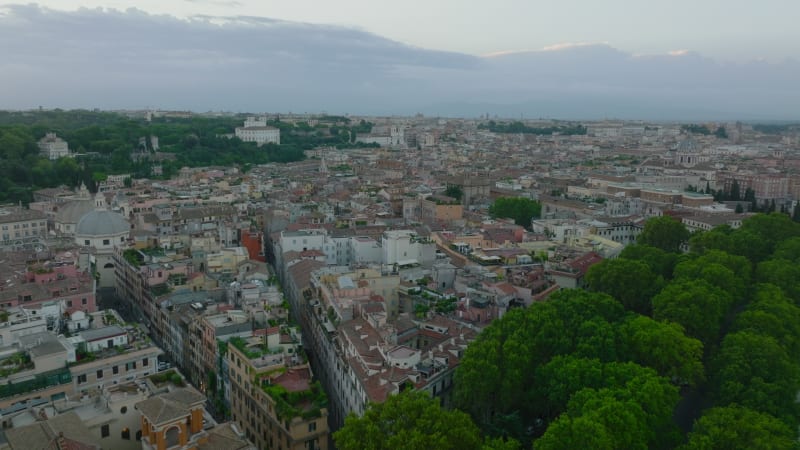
(141, 278)
(22, 228)
(432, 210)
(56, 366)
(62, 283)
(361, 354)
(273, 399)
(166, 220)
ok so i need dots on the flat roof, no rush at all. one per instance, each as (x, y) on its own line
(102, 333)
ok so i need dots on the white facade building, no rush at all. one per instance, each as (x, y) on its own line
(256, 130)
(53, 147)
(404, 247)
(365, 250)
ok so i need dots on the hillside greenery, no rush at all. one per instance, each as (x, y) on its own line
(105, 141)
(519, 127)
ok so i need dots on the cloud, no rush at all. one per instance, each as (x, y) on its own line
(683, 52)
(131, 59)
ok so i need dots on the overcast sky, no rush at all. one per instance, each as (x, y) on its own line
(735, 30)
(567, 59)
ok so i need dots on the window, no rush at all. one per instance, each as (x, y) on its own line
(145, 362)
(69, 303)
(107, 242)
(126, 433)
(123, 410)
(172, 436)
(100, 374)
(115, 370)
(82, 379)
(312, 427)
(86, 242)
(84, 301)
(104, 432)
(130, 365)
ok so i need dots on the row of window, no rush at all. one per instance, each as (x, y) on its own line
(87, 242)
(114, 370)
(84, 301)
(17, 234)
(24, 225)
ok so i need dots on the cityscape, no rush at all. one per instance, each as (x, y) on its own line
(452, 252)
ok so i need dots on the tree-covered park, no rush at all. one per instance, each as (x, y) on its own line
(686, 342)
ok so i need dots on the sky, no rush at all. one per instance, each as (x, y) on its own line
(736, 30)
(567, 59)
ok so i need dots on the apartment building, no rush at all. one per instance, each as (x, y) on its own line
(22, 228)
(273, 399)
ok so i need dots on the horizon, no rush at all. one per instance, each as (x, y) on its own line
(478, 118)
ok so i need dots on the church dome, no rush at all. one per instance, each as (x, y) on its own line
(687, 146)
(102, 223)
(71, 212)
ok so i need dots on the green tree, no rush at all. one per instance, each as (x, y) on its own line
(522, 210)
(788, 249)
(717, 238)
(660, 262)
(408, 421)
(771, 313)
(496, 376)
(629, 281)
(455, 191)
(637, 414)
(735, 193)
(665, 233)
(771, 229)
(694, 304)
(738, 428)
(755, 371)
(616, 423)
(664, 347)
(568, 433)
(728, 272)
(781, 273)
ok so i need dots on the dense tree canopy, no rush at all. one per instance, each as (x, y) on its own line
(519, 127)
(665, 347)
(665, 233)
(737, 428)
(590, 370)
(660, 262)
(696, 305)
(413, 421)
(756, 371)
(629, 281)
(522, 210)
